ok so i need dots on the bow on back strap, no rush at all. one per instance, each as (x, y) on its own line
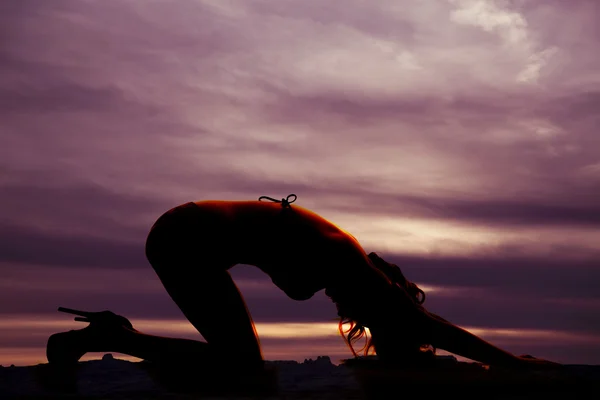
(284, 202)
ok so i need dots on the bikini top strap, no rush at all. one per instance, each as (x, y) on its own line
(285, 203)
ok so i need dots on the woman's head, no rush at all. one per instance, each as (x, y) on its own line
(386, 331)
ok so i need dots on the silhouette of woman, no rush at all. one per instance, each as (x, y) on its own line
(191, 247)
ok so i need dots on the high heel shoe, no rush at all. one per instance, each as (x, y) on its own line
(66, 348)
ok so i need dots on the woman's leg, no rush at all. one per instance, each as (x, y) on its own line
(214, 306)
(193, 269)
(194, 273)
(114, 333)
(66, 348)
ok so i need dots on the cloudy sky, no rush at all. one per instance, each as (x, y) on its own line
(457, 138)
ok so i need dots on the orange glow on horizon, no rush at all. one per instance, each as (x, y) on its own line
(281, 330)
(310, 338)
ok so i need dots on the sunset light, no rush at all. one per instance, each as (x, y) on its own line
(457, 139)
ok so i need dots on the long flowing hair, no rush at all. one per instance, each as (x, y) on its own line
(355, 331)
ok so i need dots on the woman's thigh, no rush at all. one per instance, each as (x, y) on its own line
(193, 267)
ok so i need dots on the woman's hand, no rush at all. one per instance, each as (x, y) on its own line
(530, 362)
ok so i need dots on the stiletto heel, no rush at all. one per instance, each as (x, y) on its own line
(98, 317)
(66, 348)
(84, 315)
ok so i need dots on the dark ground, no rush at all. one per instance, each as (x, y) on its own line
(313, 379)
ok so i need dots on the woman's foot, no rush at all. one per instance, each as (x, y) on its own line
(101, 335)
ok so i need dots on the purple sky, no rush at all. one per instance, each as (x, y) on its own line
(457, 138)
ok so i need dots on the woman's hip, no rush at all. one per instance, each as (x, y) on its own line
(187, 235)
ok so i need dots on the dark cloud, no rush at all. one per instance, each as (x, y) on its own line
(65, 212)
(575, 106)
(510, 273)
(29, 246)
(60, 98)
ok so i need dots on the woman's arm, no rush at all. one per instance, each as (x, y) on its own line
(449, 337)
